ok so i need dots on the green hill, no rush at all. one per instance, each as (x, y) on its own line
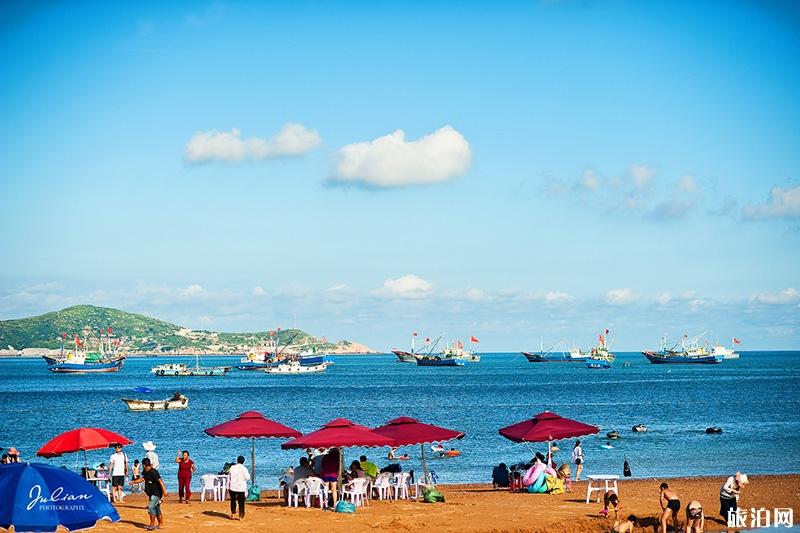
(140, 333)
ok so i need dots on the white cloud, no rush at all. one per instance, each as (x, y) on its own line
(590, 180)
(558, 297)
(782, 203)
(193, 292)
(688, 184)
(786, 296)
(407, 287)
(642, 175)
(391, 161)
(621, 296)
(670, 210)
(293, 139)
(664, 298)
(258, 291)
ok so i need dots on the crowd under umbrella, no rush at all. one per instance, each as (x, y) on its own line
(339, 433)
(547, 426)
(407, 431)
(252, 425)
(31, 503)
(81, 440)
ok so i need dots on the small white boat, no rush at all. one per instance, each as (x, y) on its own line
(178, 401)
(294, 367)
(181, 369)
(726, 353)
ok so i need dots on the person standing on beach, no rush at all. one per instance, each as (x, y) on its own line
(186, 468)
(155, 490)
(151, 454)
(238, 488)
(729, 495)
(577, 459)
(118, 466)
(330, 472)
(670, 504)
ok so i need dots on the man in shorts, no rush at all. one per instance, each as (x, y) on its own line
(118, 468)
(155, 490)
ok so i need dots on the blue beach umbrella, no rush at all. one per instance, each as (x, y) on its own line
(39, 497)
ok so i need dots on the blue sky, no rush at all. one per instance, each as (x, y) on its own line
(508, 170)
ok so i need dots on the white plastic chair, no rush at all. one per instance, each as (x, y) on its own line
(221, 486)
(283, 484)
(356, 491)
(315, 487)
(400, 484)
(422, 484)
(297, 489)
(383, 485)
(207, 486)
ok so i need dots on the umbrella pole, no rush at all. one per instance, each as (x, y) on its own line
(424, 464)
(253, 460)
(340, 476)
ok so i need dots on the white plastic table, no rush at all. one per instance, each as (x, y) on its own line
(610, 482)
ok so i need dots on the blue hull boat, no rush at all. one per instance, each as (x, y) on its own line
(598, 363)
(438, 361)
(677, 358)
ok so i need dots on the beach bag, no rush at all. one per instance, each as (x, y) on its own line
(345, 507)
(432, 496)
(626, 469)
(254, 494)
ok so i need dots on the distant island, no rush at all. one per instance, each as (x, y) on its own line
(145, 335)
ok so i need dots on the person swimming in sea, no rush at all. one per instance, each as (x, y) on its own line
(607, 445)
(670, 504)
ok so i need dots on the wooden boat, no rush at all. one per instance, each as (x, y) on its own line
(181, 369)
(295, 367)
(178, 401)
(103, 356)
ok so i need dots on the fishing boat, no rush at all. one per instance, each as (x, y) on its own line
(575, 354)
(690, 353)
(726, 353)
(178, 401)
(436, 360)
(181, 369)
(408, 357)
(455, 350)
(600, 357)
(103, 356)
(549, 356)
(296, 367)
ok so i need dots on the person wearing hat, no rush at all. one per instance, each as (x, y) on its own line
(151, 454)
(13, 455)
(729, 495)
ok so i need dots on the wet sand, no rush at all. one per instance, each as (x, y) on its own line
(472, 508)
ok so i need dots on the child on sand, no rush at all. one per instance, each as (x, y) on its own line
(610, 498)
(671, 504)
(626, 526)
(695, 519)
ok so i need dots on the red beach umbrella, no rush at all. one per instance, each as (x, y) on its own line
(406, 431)
(546, 426)
(81, 439)
(252, 425)
(339, 433)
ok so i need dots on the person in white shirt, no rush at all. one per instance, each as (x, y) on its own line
(238, 486)
(151, 454)
(577, 458)
(118, 467)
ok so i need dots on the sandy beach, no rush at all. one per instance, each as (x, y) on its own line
(475, 508)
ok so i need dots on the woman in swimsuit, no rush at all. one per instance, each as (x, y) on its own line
(695, 519)
(671, 505)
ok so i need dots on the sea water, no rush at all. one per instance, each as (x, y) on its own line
(754, 400)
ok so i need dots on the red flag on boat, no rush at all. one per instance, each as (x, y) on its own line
(427, 340)
(472, 338)
(110, 330)
(736, 341)
(414, 334)
(459, 345)
(606, 331)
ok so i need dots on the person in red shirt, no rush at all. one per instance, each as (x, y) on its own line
(186, 468)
